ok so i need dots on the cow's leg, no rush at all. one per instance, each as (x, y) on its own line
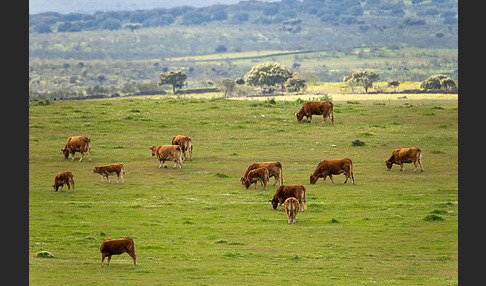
(310, 118)
(72, 182)
(72, 156)
(82, 155)
(109, 259)
(264, 185)
(330, 177)
(62, 186)
(103, 255)
(134, 257)
(108, 178)
(401, 166)
(415, 164)
(89, 155)
(421, 166)
(69, 186)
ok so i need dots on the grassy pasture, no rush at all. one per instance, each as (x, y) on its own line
(198, 226)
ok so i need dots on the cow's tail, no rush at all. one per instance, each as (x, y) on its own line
(304, 200)
(351, 171)
(331, 114)
(279, 165)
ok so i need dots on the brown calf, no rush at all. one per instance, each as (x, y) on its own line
(274, 170)
(255, 175)
(292, 207)
(333, 167)
(185, 143)
(324, 108)
(112, 169)
(405, 155)
(286, 191)
(167, 153)
(77, 144)
(63, 178)
(111, 247)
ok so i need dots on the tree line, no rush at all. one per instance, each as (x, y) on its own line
(288, 13)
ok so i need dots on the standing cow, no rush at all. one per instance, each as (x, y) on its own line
(167, 153)
(324, 108)
(274, 170)
(185, 143)
(77, 144)
(333, 167)
(63, 178)
(405, 155)
(112, 169)
(111, 247)
(286, 191)
(292, 207)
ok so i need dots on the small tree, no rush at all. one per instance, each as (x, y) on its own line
(362, 78)
(268, 74)
(393, 84)
(174, 78)
(295, 85)
(227, 85)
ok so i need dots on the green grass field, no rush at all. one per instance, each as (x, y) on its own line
(199, 226)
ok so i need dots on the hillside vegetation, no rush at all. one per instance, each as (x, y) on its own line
(198, 225)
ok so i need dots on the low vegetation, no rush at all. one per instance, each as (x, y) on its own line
(198, 225)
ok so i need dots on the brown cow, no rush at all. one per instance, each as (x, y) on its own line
(405, 155)
(167, 153)
(110, 247)
(255, 175)
(274, 170)
(63, 178)
(333, 167)
(112, 169)
(185, 143)
(324, 108)
(291, 206)
(77, 144)
(286, 191)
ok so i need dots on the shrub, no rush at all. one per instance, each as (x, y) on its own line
(358, 142)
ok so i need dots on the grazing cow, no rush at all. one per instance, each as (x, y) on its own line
(185, 143)
(112, 169)
(286, 191)
(274, 170)
(405, 155)
(255, 175)
(63, 178)
(291, 206)
(333, 167)
(77, 144)
(167, 153)
(110, 247)
(324, 108)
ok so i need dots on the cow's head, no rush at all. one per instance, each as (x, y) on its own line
(389, 164)
(274, 202)
(96, 170)
(313, 179)
(246, 182)
(65, 152)
(55, 186)
(153, 150)
(299, 116)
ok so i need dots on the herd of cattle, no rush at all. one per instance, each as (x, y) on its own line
(291, 196)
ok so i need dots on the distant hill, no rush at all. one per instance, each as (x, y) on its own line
(92, 6)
